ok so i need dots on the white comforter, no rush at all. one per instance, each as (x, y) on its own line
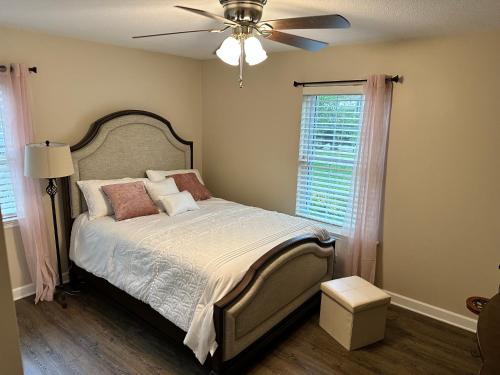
(182, 265)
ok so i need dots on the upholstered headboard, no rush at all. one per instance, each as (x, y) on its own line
(126, 144)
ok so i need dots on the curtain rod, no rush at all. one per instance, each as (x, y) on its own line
(33, 69)
(346, 82)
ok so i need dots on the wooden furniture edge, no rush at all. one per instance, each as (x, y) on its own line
(251, 275)
(487, 335)
(96, 125)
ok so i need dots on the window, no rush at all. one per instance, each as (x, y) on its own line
(329, 138)
(7, 200)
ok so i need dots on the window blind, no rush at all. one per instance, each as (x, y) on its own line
(7, 199)
(328, 152)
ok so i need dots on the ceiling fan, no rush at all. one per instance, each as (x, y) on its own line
(243, 18)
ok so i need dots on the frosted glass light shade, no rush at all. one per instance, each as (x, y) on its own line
(229, 51)
(254, 53)
(42, 161)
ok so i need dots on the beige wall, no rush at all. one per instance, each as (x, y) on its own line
(78, 82)
(440, 241)
(10, 356)
(441, 238)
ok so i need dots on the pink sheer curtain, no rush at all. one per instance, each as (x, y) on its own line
(364, 231)
(16, 118)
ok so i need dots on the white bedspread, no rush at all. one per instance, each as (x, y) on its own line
(182, 265)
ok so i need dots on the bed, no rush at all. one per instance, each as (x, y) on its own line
(223, 279)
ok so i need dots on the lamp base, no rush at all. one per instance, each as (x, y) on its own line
(61, 292)
(60, 297)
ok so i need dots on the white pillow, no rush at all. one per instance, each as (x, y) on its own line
(97, 202)
(160, 175)
(158, 189)
(178, 203)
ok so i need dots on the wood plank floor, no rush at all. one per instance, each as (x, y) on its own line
(95, 336)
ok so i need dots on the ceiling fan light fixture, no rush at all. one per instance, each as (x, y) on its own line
(254, 53)
(230, 51)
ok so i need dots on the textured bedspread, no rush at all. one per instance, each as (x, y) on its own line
(182, 265)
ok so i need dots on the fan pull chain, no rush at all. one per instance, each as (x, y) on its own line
(242, 55)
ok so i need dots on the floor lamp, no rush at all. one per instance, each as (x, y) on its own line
(49, 160)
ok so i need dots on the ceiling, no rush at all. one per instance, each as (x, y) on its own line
(115, 21)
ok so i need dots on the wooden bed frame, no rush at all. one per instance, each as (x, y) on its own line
(256, 284)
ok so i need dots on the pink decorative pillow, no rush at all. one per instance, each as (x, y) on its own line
(189, 182)
(130, 200)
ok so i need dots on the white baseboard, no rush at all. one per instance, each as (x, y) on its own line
(29, 290)
(434, 312)
(23, 291)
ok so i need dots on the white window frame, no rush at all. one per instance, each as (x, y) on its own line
(317, 91)
(11, 220)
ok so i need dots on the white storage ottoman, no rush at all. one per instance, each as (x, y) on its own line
(353, 311)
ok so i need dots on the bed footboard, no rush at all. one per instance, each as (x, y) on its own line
(273, 288)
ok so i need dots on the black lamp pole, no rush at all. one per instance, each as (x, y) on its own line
(52, 191)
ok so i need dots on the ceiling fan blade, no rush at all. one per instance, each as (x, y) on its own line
(297, 41)
(209, 15)
(332, 21)
(181, 32)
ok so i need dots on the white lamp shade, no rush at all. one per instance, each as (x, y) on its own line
(52, 161)
(229, 51)
(254, 53)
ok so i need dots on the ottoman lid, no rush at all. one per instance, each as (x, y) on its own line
(355, 293)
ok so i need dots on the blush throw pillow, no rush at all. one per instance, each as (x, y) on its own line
(130, 200)
(161, 188)
(189, 182)
(178, 203)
